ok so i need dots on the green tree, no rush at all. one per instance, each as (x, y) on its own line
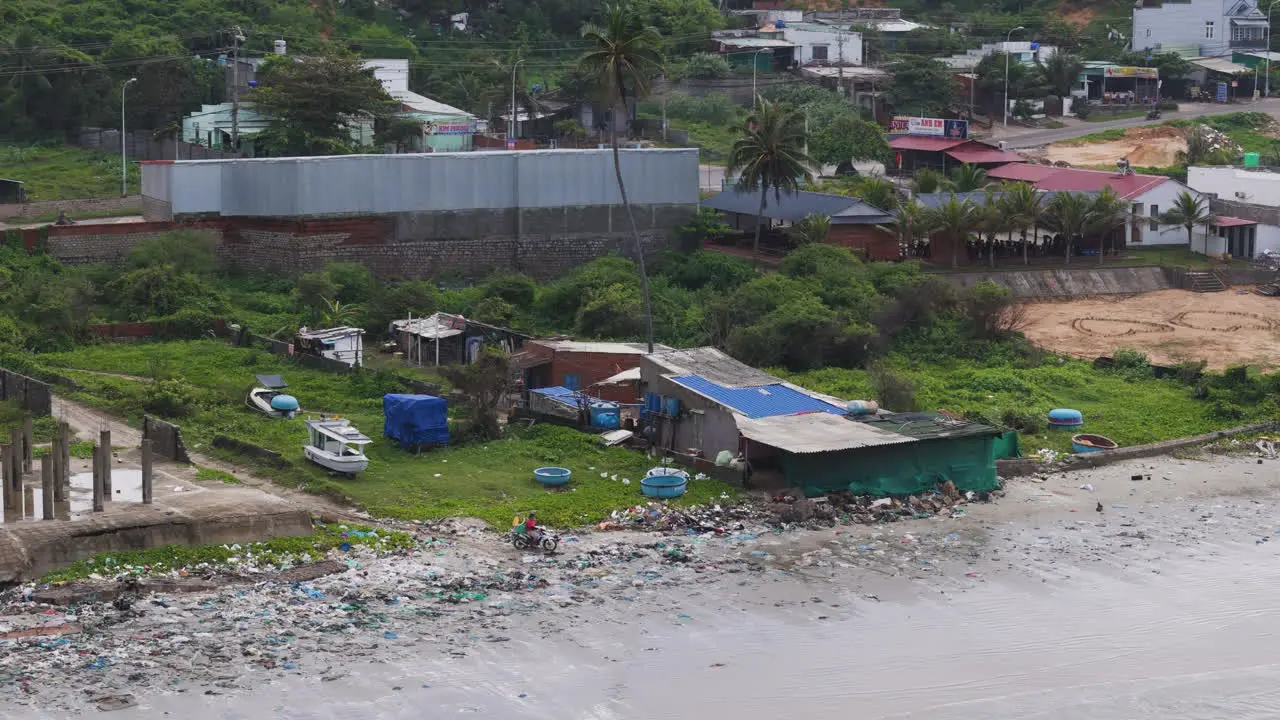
(1107, 213)
(313, 103)
(685, 24)
(954, 219)
(928, 180)
(622, 57)
(993, 221)
(1024, 81)
(849, 139)
(967, 178)
(334, 313)
(1060, 74)
(1190, 211)
(811, 229)
(1025, 207)
(920, 85)
(1068, 215)
(706, 66)
(878, 193)
(770, 155)
(398, 132)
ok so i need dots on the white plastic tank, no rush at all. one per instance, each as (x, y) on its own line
(280, 47)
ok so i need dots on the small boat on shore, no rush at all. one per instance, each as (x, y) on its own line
(1086, 443)
(335, 445)
(270, 399)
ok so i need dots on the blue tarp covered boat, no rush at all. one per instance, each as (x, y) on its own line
(415, 420)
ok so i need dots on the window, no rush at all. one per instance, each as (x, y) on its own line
(819, 52)
(1208, 29)
(1148, 32)
(571, 382)
(1135, 211)
(1155, 217)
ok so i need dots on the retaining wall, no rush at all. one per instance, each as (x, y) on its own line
(1070, 282)
(166, 439)
(31, 395)
(53, 207)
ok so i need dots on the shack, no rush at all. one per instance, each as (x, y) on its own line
(591, 367)
(447, 339)
(344, 344)
(855, 224)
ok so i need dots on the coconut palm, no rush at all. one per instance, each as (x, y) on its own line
(770, 155)
(334, 313)
(622, 58)
(1025, 207)
(909, 224)
(1060, 74)
(812, 229)
(993, 221)
(1107, 212)
(879, 193)
(954, 219)
(928, 180)
(1188, 211)
(1068, 215)
(967, 178)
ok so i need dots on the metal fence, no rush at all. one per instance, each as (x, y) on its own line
(144, 145)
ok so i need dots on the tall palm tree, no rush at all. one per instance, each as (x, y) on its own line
(928, 180)
(955, 219)
(879, 193)
(1107, 212)
(993, 221)
(770, 155)
(1025, 207)
(967, 178)
(623, 57)
(1068, 215)
(1188, 211)
(909, 224)
(1060, 73)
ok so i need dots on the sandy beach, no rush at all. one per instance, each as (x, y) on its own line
(1036, 605)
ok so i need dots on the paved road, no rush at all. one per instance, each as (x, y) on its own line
(1036, 138)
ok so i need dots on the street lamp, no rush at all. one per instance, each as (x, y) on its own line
(511, 134)
(755, 56)
(124, 164)
(1007, 36)
(1271, 7)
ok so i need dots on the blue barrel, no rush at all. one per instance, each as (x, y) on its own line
(671, 406)
(652, 402)
(1065, 418)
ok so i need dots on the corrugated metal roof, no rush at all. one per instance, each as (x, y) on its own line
(610, 348)
(758, 402)
(920, 142)
(977, 197)
(622, 378)
(1027, 172)
(928, 426)
(438, 325)
(983, 155)
(755, 42)
(329, 333)
(1226, 221)
(1055, 179)
(816, 432)
(711, 364)
(793, 206)
(422, 103)
(1216, 64)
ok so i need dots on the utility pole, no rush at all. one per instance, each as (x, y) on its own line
(1270, 7)
(840, 40)
(235, 89)
(515, 127)
(1007, 37)
(124, 162)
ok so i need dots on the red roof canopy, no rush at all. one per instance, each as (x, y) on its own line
(1226, 221)
(1053, 179)
(920, 142)
(1021, 171)
(981, 155)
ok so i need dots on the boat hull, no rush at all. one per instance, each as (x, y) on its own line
(260, 399)
(349, 464)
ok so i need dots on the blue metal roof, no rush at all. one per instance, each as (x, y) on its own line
(555, 391)
(759, 402)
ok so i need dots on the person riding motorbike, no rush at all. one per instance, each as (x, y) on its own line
(531, 528)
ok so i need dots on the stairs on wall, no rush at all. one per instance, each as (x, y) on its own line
(1204, 282)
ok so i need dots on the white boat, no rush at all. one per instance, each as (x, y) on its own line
(270, 398)
(336, 445)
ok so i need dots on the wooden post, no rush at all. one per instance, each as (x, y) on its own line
(64, 482)
(55, 464)
(46, 486)
(12, 491)
(146, 472)
(28, 445)
(97, 479)
(104, 442)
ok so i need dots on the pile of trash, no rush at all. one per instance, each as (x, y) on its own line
(716, 518)
(847, 507)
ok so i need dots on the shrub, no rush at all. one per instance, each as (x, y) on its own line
(1130, 359)
(1227, 411)
(172, 398)
(985, 305)
(706, 226)
(713, 109)
(707, 66)
(1024, 421)
(893, 392)
(188, 251)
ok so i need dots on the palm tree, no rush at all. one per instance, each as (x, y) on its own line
(955, 219)
(967, 178)
(335, 313)
(1188, 211)
(992, 222)
(1107, 212)
(879, 193)
(1060, 73)
(770, 154)
(1025, 207)
(623, 57)
(928, 180)
(909, 224)
(811, 230)
(1068, 215)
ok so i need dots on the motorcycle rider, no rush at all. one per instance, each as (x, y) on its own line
(531, 528)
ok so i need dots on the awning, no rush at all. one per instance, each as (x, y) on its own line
(1249, 22)
(815, 432)
(920, 142)
(622, 378)
(1218, 65)
(967, 155)
(1226, 221)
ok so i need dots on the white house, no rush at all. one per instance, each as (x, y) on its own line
(818, 43)
(1240, 196)
(1206, 28)
(345, 344)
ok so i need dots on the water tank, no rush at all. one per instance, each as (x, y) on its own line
(280, 47)
(859, 408)
(1251, 159)
(671, 406)
(284, 402)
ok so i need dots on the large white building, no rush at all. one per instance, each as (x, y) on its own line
(1247, 194)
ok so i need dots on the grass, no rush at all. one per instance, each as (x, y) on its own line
(1129, 409)
(1107, 117)
(59, 172)
(86, 215)
(1110, 135)
(1175, 257)
(204, 474)
(492, 481)
(269, 555)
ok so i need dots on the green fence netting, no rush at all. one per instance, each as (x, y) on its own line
(904, 469)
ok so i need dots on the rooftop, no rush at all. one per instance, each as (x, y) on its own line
(754, 42)
(928, 426)
(921, 142)
(982, 155)
(1076, 180)
(422, 103)
(761, 401)
(611, 348)
(1217, 64)
(1227, 221)
(329, 333)
(793, 206)
(712, 365)
(856, 72)
(816, 432)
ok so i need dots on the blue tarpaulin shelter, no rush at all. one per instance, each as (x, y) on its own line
(416, 419)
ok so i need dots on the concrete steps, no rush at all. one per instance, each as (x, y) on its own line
(1204, 282)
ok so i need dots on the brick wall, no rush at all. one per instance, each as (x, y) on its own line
(591, 368)
(108, 243)
(52, 207)
(874, 244)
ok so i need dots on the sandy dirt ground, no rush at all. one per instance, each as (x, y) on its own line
(1170, 326)
(1145, 147)
(1077, 595)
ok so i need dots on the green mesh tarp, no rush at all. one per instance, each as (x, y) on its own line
(1006, 445)
(903, 469)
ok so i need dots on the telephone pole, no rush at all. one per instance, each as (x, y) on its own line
(235, 89)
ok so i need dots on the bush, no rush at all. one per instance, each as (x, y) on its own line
(187, 251)
(1024, 421)
(161, 290)
(1227, 411)
(985, 305)
(704, 269)
(713, 109)
(1130, 359)
(706, 226)
(707, 66)
(172, 398)
(893, 392)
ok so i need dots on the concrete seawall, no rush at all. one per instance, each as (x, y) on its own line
(1070, 282)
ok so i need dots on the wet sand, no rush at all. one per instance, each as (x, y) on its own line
(1037, 606)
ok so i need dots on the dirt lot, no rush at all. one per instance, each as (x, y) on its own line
(1171, 326)
(1145, 147)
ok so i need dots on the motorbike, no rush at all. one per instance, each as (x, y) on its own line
(1153, 114)
(547, 543)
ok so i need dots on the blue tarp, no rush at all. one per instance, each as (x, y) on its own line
(416, 419)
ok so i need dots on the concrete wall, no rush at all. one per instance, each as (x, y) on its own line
(1159, 199)
(30, 394)
(167, 438)
(52, 207)
(1182, 24)
(1267, 217)
(1073, 282)
(702, 424)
